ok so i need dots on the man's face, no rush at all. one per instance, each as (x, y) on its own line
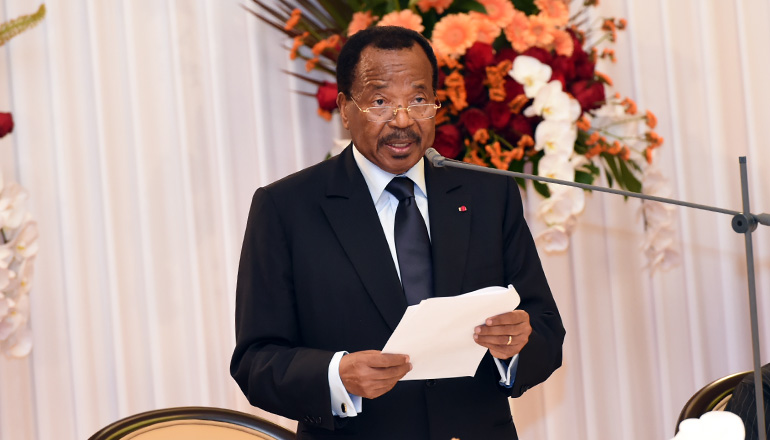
(391, 78)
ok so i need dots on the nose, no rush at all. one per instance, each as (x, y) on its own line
(402, 118)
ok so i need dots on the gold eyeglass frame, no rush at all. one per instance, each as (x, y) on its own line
(396, 109)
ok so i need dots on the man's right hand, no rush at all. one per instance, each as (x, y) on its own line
(371, 373)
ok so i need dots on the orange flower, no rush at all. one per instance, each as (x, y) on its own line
(311, 63)
(625, 153)
(583, 123)
(499, 11)
(609, 26)
(439, 5)
(542, 30)
(496, 80)
(500, 159)
(562, 42)
(604, 78)
(594, 138)
(481, 136)
(526, 141)
(360, 21)
(518, 32)
(475, 159)
(555, 10)
(455, 91)
(299, 40)
(654, 139)
(296, 14)
(454, 34)
(608, 53)
(325, 114)
(630, 105)
(518, 103)
(593, 152)
(488, 31)
(652, 121)
(648, 155)
(445, 61)
(328, 43)
(616, 148)
(404, 18)
(622, 23)
(517, 153)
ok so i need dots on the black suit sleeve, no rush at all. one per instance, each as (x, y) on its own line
(543, 352)
(269, 364)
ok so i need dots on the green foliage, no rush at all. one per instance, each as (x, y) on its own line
(12, 28)
(526, 6)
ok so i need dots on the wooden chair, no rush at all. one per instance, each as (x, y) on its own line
(193, 423)
(712, 397)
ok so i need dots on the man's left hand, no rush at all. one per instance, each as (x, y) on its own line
(504, 335)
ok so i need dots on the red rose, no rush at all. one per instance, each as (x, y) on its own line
(475, 90)
(499, 114)
(441, 78)
(448, 141)
(558, 76)
(479, 56)
(327, 96)
(474, 120)
(589, 93)
(512, 89)
(563, 66)
(505, 54)
(6, 123)
(522, 125)
(540, 54)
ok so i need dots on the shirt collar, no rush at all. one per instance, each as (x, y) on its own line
(377, 179)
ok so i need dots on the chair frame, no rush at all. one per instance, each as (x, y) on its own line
(127, 425)
(707, 398)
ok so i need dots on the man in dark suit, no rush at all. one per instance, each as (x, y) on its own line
(744, 403)
(325, 273)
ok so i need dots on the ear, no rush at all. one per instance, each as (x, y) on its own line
(342, 105)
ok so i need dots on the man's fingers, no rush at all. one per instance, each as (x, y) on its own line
(382, 360)
(508, 318)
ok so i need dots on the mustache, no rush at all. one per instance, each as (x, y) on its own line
(400, 135)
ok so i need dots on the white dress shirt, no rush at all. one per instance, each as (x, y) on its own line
(345, 404)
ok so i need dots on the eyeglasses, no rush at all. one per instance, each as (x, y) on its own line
(387, 114)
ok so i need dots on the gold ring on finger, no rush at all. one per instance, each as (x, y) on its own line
(510, 338)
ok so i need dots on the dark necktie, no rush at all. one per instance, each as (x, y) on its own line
(412, 243)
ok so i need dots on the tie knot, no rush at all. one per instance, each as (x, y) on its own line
(401, 187)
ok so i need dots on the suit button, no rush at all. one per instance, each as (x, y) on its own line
(318, 420)
(430, 383)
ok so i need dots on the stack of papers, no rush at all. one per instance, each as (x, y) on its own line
(437, 334)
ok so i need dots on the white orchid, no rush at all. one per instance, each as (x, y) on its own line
(530, 73)
(713, 425)
(556, 137)
(18, 248)
(563, 204)
(556, 166)
(660, 240)
(551, 103)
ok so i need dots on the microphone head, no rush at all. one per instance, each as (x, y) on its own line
(434, 157)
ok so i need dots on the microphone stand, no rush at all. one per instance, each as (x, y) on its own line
(743, 223)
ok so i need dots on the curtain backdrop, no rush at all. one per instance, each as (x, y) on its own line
(144, 126)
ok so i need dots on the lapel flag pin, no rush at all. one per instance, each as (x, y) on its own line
(462, 208)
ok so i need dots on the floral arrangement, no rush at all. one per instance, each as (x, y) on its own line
(18, 248)
(519, 90)
(18, 235)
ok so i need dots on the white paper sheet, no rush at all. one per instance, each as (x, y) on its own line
(437, 334)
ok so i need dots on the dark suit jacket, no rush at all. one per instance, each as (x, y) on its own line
(744, 403)
(316, 276)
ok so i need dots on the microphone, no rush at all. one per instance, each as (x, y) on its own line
(434, 157)
(741, 221)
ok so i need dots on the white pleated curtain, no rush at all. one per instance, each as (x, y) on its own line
(144, 126)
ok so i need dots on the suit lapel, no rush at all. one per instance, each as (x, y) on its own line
(350, 210)
(450, 208)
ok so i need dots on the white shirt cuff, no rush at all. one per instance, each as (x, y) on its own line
(507, 373)
(344, 404)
